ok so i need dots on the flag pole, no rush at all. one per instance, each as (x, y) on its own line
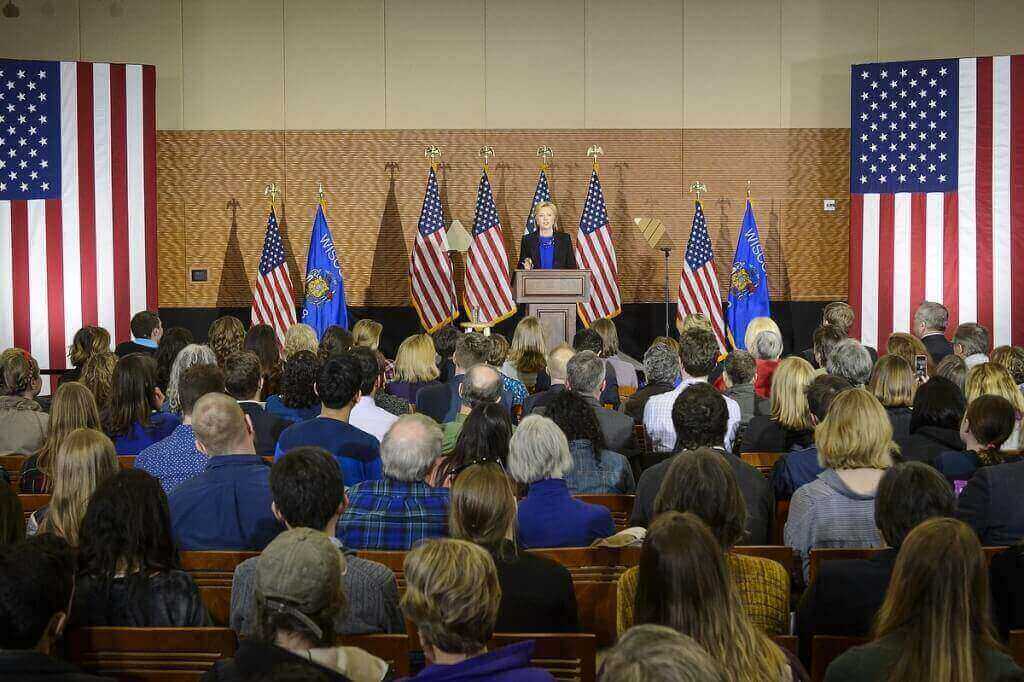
(595, 151)
(320, 196)
(433, 153)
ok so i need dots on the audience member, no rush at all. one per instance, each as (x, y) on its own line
(672, 344)
(556, 371)
(37, 581)
(938, 411)
(85, 459)
(300, 337)
(846, 594)
(453, 597)
(73, 408)
(1012, 358)
(894, 384)
(261, 339)
(133, 419)
(655, 653)
(790, 425)
(990, 504)
(953, 368)
(625, 367)
(971, 342)
(177, 458)
(738, 382)
(596, 470)
(763, 340)
(527, 355)
(96, 376)
(442, 403)
(801, 466)
(988, 378)
(334, 341)
(395, 512)
(700, 417)
(930, 322)
(414, 367)
(549, 516)
(840, 315)
(366, 334)
(536, 593)
(146, 332)
(987, 425)
(851, 361)
(128, 569)
(909, 347)
(297, 400)
(583, 377)
(191, 355)
(661, 369)
(171, 343)
(299, 595)
(588, 339)
(698, 349)
(825, 339)
(685, 583)
(23, 423)
(445, 339)
(702, 483)
(357, 452)
(227, 507)
(309, 492)
(365, 414)
(483, 437)
(480, 384)
(243, 381)
(935, 622)
(88, 341)
(499, 350)
(837, 509)
(385, 401)
(12, 517)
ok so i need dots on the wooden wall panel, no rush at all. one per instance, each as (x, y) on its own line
(375, 181)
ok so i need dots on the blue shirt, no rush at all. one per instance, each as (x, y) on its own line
(547, 252)
(227, 507)
(393, 515)
(173, 460)
(292, 414)
(148, 343)
(140, 437)
(796, 468)
(357, 452)
(550, 517)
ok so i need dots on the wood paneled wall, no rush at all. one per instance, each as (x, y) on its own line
(375, 181)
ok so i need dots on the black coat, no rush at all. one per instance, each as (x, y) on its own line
(764, 434)
(254, 658)
(128, 347)
(927, 443)
(1006, 578)
(564, 258)
(938, 345)
(266, 427)
(990, 504)
(900, 419)
(536, 594)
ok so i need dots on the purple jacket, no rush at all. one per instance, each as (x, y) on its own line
(507, 664)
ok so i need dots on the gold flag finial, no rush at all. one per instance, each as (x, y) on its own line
(272, 191)
(748, 190)
(595, 151)
(486, 152)
(433, 152)
(320, 195)
(699, 188)
(546, 154)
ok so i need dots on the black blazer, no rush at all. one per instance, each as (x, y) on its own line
(938, 345)
(927, 443)
(990, 504)
(128, 347)
(564, 258)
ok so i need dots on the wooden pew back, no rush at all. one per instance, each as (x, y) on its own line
(149, 654)
(567, 657)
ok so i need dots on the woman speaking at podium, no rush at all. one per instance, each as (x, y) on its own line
(546, 248)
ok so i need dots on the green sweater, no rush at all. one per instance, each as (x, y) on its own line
(869, 663)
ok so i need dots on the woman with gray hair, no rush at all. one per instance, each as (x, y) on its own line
(851, 361)
(549, 516)
(192, 354)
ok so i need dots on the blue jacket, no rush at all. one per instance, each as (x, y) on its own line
(293, 414)
(794, 469)
(226, 507)
(357, 452)
(550, 517)
(508, 664)
(161, 425)
(957, 466)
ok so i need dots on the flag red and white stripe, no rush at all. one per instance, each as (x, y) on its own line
(698, 282)
(488, 297)
(431, 282)
(595, 252)
(273, 299)
(89, 256)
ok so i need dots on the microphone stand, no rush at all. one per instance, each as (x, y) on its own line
(666, 250)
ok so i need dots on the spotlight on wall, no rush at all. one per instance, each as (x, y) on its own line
(11, 11)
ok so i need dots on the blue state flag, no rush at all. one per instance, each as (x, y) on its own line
(748, 282)
(325, 289)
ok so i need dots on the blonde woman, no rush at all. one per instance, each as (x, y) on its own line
(837, 509)
(1012, 358)
(909, 347)
(528, 354)
(366, 334)
(414, 367)
(73, 408)
(991, 379)
(790, 423)
(85, 459)
(894, 384)
(548, 247)
(226, 336)
(22, 420)
(300, 337)
(88, 341)
(625, 367)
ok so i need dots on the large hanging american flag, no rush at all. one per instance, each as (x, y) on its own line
(698, 282)
(431, 283)
(542, 193)
(77, 201)
(273, 299)
(595, 252)
(937, 194)
(488, 296)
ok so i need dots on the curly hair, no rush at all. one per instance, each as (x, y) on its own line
(298, 380)
(335, 339)
(88, 341)
(262, 340)
(171, 343)
(576, 418)
(226, 336)
(97, 373)
(20, 372)
(700, 417)
(445, 339)
(1012, 358)
(339, 380)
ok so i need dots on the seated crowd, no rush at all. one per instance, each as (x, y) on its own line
(469, 455)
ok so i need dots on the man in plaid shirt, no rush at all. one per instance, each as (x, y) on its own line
(398, 511)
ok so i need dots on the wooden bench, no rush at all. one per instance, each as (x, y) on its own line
(149, 654)
(126, 461)
(569, 657)
(825, 649)
(820, 556)
(33, 502)
(790, 643)
(762, 461)
(12, 465)
(779, 523)
(621, 506)
(213, 573)
(392, 649)
(1016, 646)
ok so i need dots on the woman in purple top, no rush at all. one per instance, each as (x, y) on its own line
(415, 367)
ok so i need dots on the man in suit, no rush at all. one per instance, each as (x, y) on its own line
(558, 358)
(588, 339)
(930, 321)
(146, 330)
(442, 403)
(243, 381)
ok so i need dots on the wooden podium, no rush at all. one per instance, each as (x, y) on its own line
(552, 296)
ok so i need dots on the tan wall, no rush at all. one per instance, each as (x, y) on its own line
(356, 64)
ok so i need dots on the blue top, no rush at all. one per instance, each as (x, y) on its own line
(140, 437)
(148, 343)
(547, 252)
(550, 517)
(293, 414)
(226, 507)
(173, 460)
(794, 469)
(392, 515)
(508, 664)
(957, 466)
(598, 473)
(357, 452)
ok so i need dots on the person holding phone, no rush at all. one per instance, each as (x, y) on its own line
(547, 248)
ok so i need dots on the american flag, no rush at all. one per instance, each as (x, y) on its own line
(488, 295)
(77, 201)
(430, 269)
(542, 193)
(698, 283)
(273, 300)
(937, 194)
(595, 252)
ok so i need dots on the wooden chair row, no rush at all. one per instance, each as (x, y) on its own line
(820, 556)
(12, 465)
